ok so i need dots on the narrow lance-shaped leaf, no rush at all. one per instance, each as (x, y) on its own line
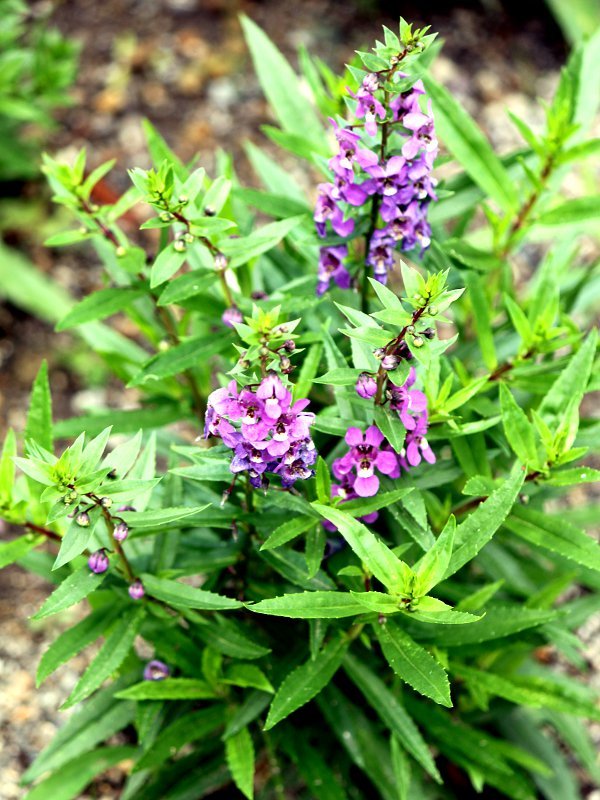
(39, 416)
(310, 605)
(413, 663)
(239, 751)
(520, 433)
(431, 569)
(182, 595)
(306, 681)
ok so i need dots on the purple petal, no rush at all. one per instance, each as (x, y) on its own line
(366, 487)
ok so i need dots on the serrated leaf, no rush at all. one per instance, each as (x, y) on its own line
(184, 596)
(99, 305)
(73, 640)
(431, 568)
(239, 752)
(306, 681)
(571, 384)
(160, 517)
(247, 675)
(113, 652)
(310, 605)
(287, 531)
(168, 689)
(392, 712)
(411, 662)
(39, 417)
(14, 550)
(480, 526)
(520, 433)
(466, 142)
(243, 249)
(78, 585)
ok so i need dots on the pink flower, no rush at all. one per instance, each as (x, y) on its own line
(364, 457)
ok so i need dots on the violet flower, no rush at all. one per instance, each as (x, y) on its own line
(331, 266)
(416, 445)
(364, 457)
(403, 399)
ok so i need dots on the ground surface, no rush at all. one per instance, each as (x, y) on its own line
(183, 64)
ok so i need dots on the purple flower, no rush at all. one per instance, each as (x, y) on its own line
(273, 434)
(403, 399)
(381, 254)
(349, 153)
(331, 265)
(366, 385)
(366, 455)
(156, 670)
(368, 107)
(98, 562)
(416, 444)
(230, 316)
(327, 208)
(386, 179)
(136, 590)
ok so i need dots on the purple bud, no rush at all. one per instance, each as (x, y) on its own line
(136, 590)
(98, 562)
(121, 532)
(230, 316)
(289, 345)
(83, 519)
(366, 386)
(285, 365)
(428, 333)
(105, 502)
(390, 362)
(259, 296)
(156, 671)
(379, 353)
(220, 262)
(126, 508)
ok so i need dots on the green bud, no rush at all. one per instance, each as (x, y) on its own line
(418, 341)
(120, 251)
(179, 245)
(165, 216)
(188, 237)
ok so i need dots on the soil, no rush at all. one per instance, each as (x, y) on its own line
(184, 65)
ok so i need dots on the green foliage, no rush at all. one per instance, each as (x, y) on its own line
(302, 645)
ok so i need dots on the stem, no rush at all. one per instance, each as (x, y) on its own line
(475, 502)
(129, 573)
(391, 346)
(502, 369)
(44, 531)
(527, 207)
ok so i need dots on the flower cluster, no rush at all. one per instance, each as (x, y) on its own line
(400, 187)
(271, 435)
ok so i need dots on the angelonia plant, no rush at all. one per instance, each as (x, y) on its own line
(333, 551)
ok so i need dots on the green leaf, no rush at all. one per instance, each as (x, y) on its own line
(308, 370)
(243, 249)
(520, 433)
(168, 689)
(253, 706)
(247, 675)
(499, 621)
(401, 766)
(435, 612)
(182, 595)
(306, 681)
(179, 358)
(188, 728)
(14, 550)
(392, 712)
(480, 526)
(99, 305)
(160, 517)
(239, 752)
(361, 506)
(114, 651)
(339, 377)
(391, 427)
(555, 534)
(287, 531)
(323, 480)
(160, 151)
(73, 777)
(39, 416)
(574, 212)
(231, 639)
(571, 384)
(166, 264)
(466, 142)
(374, 554)
(7, 466)
(310, 605)
(569, 477)
(73, 640)
(411, 662)
(321, 782)
(431, 568)
(281, 86)
(78, 585)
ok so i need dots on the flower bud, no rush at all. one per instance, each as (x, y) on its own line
(230, 316)
(390, 362)
(418, 341)
(432, 310)
(366, 386)
(165, 216)
(428, 333)
(120, 251)
(179, 246)
(126, 508)
(156, 670)
(98, 562)
(259, 296)
(121, 532)
(183, 199)
(83, 519)
(209, 211)
(105, 502)
(136, 590)
(188, 238)
(289, 345)
(220, 261)
(285, 364)
(379, 353)
(410, 328)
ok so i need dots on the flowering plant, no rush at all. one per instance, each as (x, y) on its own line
(328, 520)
